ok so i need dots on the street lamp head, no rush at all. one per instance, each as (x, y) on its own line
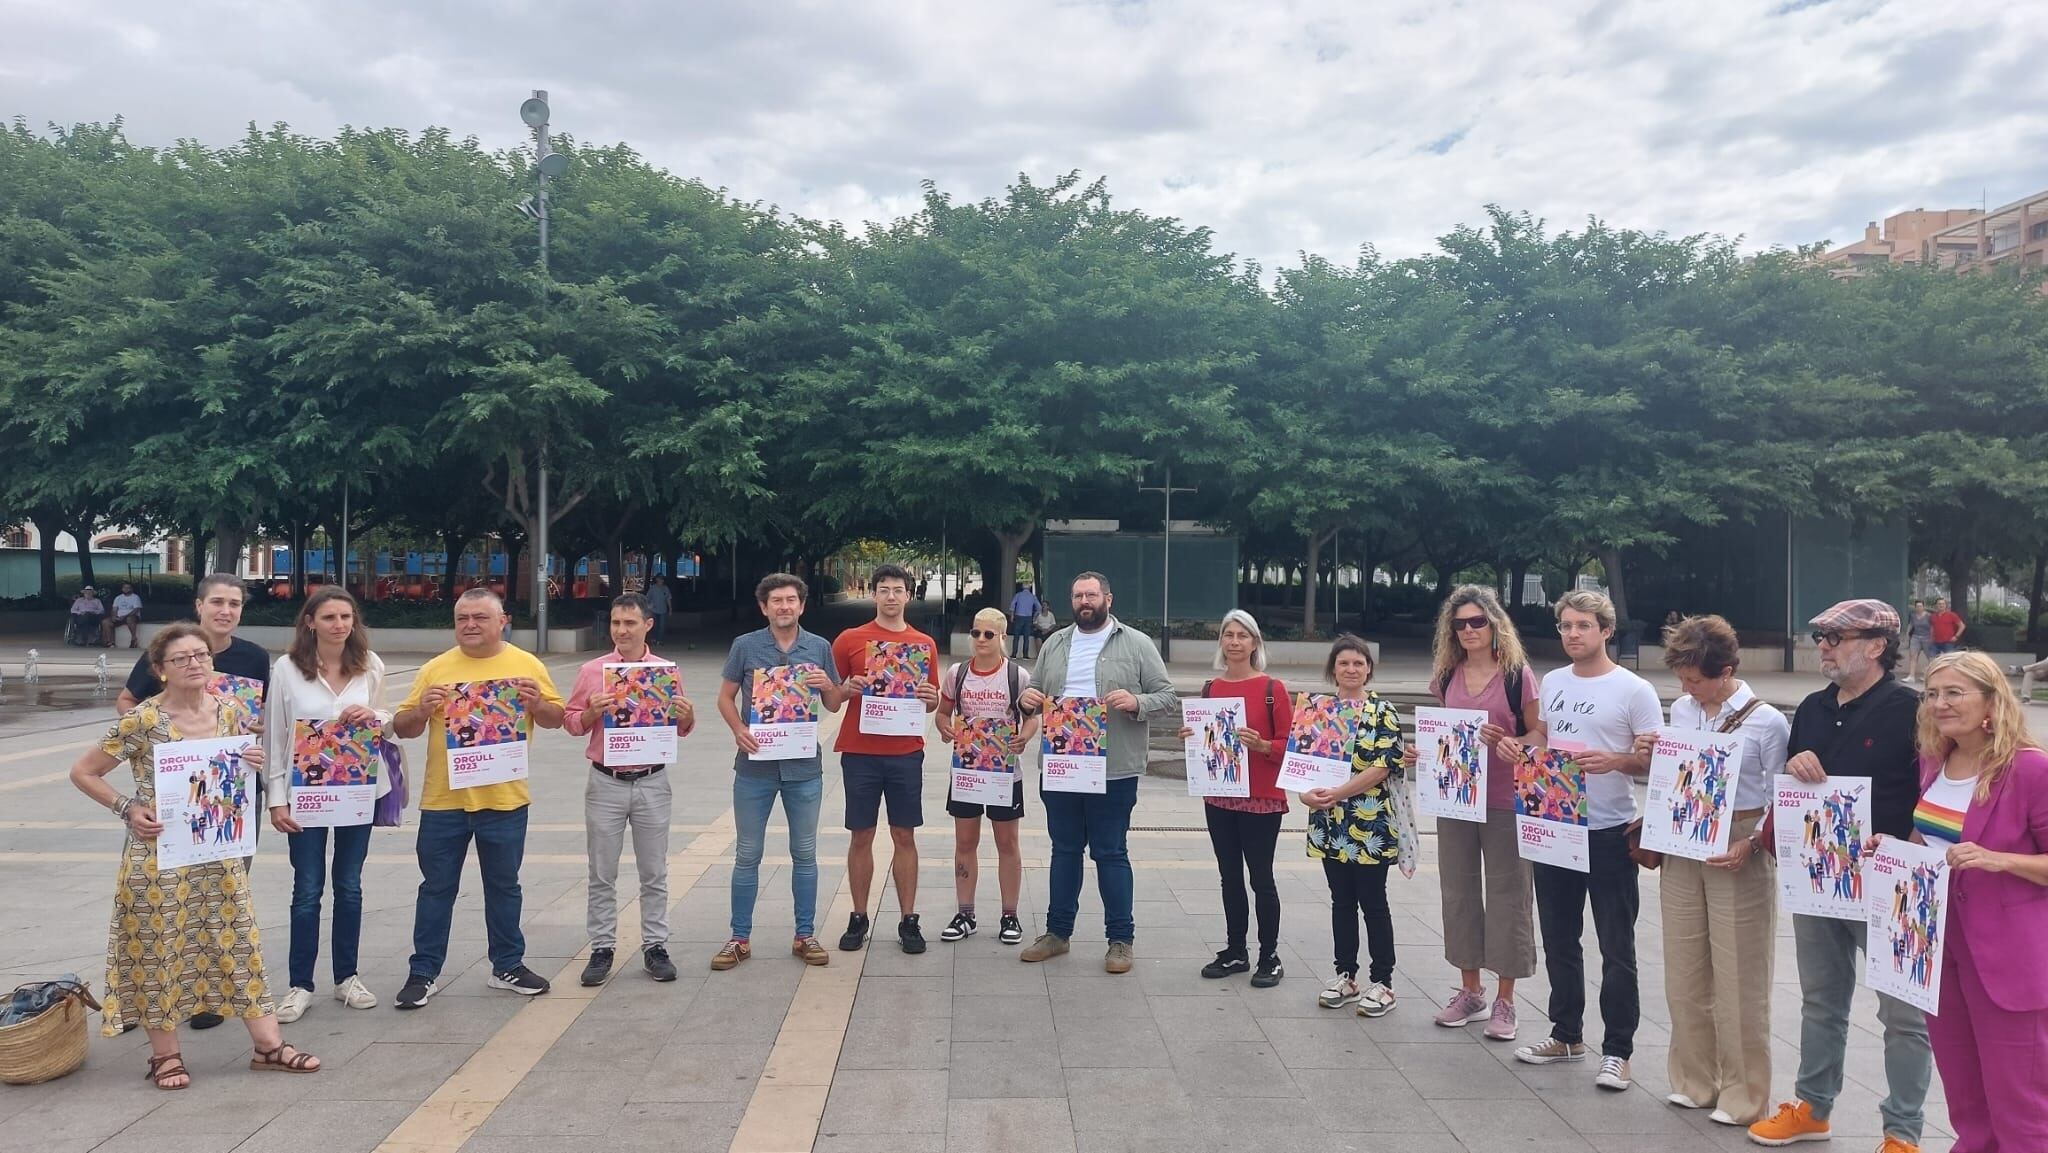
(534, 112)
(553, 164)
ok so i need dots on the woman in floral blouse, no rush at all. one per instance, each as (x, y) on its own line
(1352, 831)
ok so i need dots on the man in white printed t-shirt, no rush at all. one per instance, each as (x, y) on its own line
(987, 686)
(1594, 709)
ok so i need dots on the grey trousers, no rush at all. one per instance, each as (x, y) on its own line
(1827, 951)
(609, 807)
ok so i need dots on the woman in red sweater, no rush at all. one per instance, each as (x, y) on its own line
(1245, 830)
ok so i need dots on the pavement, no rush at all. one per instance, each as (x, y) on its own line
(961, 1048)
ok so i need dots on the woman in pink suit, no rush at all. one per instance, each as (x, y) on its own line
(1984, 794)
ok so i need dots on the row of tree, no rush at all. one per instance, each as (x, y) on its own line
(215, 341)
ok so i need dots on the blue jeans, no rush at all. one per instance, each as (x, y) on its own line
(753, 798)
(1101, 823)
(443, 847)
(309, 876)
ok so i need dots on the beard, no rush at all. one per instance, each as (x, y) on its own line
(1090, 617)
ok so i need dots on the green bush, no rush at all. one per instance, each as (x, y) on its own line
(1997, 614)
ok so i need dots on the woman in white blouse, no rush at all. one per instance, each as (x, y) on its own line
(329, 674)
(1720, 913)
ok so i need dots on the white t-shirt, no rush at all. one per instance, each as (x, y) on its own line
(1943, 806)
(1765, 734)
(1082, 654)
(1601, 714)
(127, 605)
(984, 697)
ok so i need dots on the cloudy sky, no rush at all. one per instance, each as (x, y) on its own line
(1284, 125)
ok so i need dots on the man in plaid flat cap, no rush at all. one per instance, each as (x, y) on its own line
(1861, 725)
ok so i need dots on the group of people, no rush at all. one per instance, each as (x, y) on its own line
(1954, 767)
(91, 623)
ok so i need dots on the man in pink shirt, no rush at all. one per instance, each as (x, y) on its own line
(617, 797)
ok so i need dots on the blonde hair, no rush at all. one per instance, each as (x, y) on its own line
(1449, 654)
(1248, 623)
(1587, 601)
(2008, 718)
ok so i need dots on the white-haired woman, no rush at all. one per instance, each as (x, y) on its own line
(1245, 830)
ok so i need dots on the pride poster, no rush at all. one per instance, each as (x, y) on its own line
(206, 799)
(1451, 764)
(334, 773)
(1074, 753)
(1216, 758)
(1320, 742)
(486, 734)
(1550, 810)
(1820, 845)
(984, 768)
(246, 692)
(782, 713)
(1692, 793)
(1908, 907)
(890, 708)
(640, 724)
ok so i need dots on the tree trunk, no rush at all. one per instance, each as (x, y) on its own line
(1617, 591)
(47, 528)
(2034, 596)
(1315, 540)
(453, 545)
(82, 533)
(228, 541)
(1012, 542)
(1960, 562)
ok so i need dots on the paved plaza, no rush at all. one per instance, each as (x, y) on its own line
(959, 1049)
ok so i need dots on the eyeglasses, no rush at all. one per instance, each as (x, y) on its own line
(983, 634)
(1472, 624)
(1951, 696)
(189, 660)
(1834, 637)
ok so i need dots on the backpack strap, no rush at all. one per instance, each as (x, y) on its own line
(1016, 690)
(1735, 722)
(1512, 682)
(960, 680)
(1206, 684)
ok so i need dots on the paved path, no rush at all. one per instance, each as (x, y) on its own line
(962, 1048)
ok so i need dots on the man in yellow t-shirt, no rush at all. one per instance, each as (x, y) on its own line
(493, 815)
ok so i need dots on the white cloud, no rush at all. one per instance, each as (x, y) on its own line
(1311, 124)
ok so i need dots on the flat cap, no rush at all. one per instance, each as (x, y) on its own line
(1870, 616)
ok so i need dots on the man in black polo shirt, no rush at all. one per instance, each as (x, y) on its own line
(1862, 725)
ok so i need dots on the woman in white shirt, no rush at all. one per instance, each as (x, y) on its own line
(1720, 914)
(329, 674)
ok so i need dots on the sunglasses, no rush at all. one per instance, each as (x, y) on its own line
(1833, 637)
(1471, 624)
(983, 634)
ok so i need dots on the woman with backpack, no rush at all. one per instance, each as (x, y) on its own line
(1245, 831)
(1488, 889)
(987, 686)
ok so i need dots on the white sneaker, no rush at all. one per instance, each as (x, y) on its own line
(294, 1005)
(1341, 991)
(355, 994)
(1722, 1117)
(1376, 1001)
(1682, 1101)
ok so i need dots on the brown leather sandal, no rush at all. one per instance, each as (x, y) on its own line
(162, 1069)
(274, 1061)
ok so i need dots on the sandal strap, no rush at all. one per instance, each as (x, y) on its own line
(299, 1058)
(158, 1072)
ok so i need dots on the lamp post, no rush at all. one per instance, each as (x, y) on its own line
(1166, 566)
(547, 163)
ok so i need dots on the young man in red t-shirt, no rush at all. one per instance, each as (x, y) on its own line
(1948, 627)
(877, 766)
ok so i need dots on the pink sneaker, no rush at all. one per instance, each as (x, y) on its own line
(1501, 1027)
(1466, 1007)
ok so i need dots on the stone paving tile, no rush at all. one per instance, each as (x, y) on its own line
(394, 1071)
(570, 1104)
(886, 1101)
(1021, 1125)
(342, 1126)
(897, 1043)
(1231, 1068)
(1396, 1107)
(1128, 1100)
(691, 1069)
(896, 998)
(1335, 1040)
(1454, 1072)
(1029, 1069)
(1003, 1018)
(1113, 1044)
(1193, 1020)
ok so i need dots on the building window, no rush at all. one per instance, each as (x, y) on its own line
(2038, 231)
(15, 538)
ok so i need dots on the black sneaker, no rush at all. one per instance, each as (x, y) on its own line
(1268, 974)
(205, 1020)
(598, 969)
(856, 933)
(961, 928)
(520, 980)
(1013, 930)
(658, 965)
(417, 990)
(1227, 962)
(910, 935)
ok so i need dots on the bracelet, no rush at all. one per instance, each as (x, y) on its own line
(120, 808)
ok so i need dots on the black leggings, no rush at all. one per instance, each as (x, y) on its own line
(1244, 844)
(1356, 888)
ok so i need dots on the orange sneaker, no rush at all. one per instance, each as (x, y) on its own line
(1793, 1122)
(1893, 1144)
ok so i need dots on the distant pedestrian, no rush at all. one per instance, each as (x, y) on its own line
(1023, 607)
(659, 603)
(1919, 641)
(1947, 628)
(127, 614)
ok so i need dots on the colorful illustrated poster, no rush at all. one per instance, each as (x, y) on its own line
(890, 708)
(334, 773)
(640, 724)
(486, 734)
(206, 799)
(1692, 793)
(1820, 845)
(1451, 767)
(1908, 905)
(1075, 745)
(782, 713)
(984, 768)
(1218, 765)
(247, 694)
(1550, 810)
(1320, 743)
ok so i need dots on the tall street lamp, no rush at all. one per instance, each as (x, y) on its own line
(547, 163)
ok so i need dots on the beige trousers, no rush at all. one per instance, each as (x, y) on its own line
(1488, 897)
(1718, 929)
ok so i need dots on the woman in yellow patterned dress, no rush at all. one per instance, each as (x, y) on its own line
(181, 941)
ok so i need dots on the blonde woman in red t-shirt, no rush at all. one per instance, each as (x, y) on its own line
(1245, 830)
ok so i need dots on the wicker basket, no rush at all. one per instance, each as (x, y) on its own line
(47, 1046)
